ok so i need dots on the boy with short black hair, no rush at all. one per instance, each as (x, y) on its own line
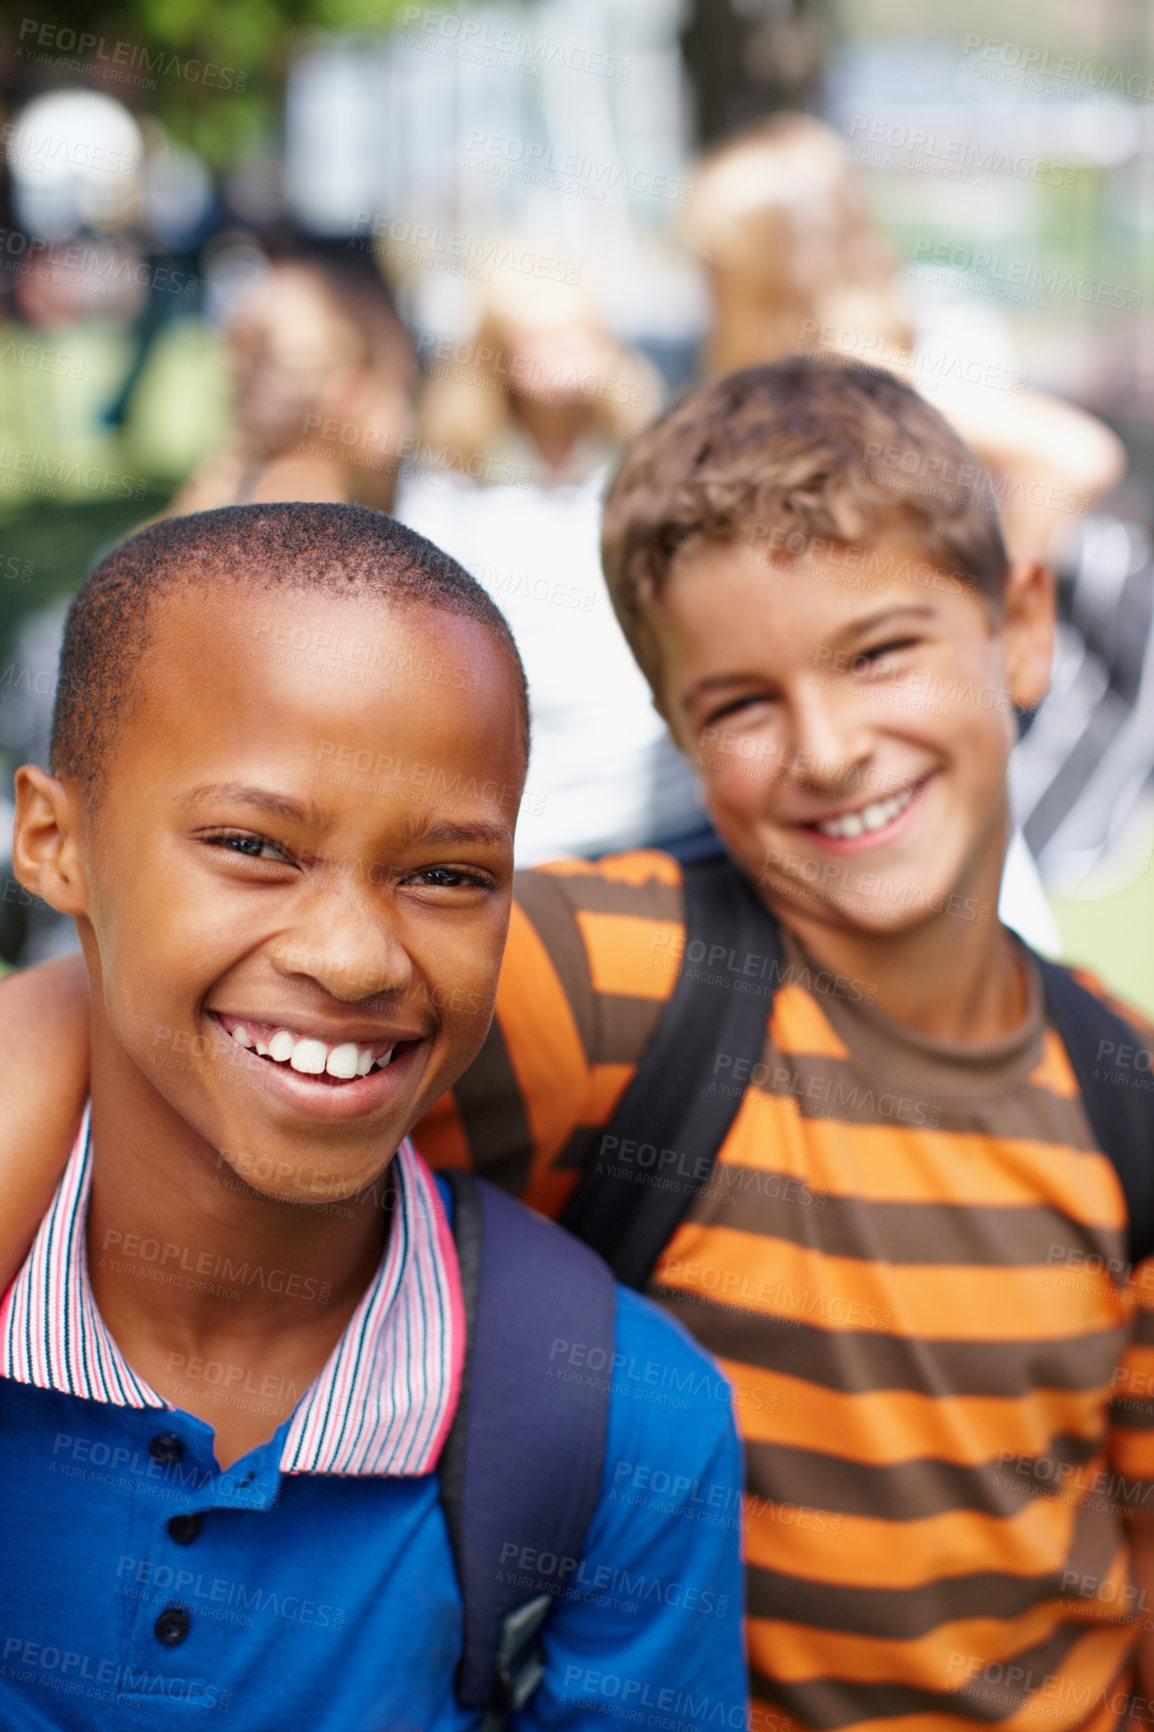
(269, 1440)
(887, 1194)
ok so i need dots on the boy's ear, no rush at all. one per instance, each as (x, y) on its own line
(46, 853)
(1028, 619)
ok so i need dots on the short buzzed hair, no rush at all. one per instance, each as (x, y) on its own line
(790, 454)
(335, 550)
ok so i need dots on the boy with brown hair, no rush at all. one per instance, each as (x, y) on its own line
(894, 1216)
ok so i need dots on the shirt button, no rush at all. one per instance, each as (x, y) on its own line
(172, 1627)
(166, 1448)
(184, 1528)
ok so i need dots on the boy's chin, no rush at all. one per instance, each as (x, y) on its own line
(895, 917)
(905, 906)
(256, 1151)
(299, 1178)
(292, 1136)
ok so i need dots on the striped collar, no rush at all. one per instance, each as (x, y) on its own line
(386, 1397)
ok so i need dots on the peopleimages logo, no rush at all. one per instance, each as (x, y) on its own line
(34, 151)
(428, 244)
(1037, 69)
(573, 170)
(34, 472)
(102, 267)
(122, 59)
(1020, 274)
(507, 49)
(569, 1574)
(584, 1683)
(72, 1673)
(893, 144)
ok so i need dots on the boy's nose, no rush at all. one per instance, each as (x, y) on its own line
(344, 941)
(829, 736)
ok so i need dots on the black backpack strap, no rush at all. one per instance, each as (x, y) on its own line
(521, 1470)
(655, 1155)
(1117, 1093)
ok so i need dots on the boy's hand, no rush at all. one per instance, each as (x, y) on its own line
(43, 1084)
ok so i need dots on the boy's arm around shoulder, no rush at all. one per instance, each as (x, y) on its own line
(652, 1617)
(578, 997)
(44, 1036)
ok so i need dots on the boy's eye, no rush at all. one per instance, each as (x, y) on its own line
(735, 706)
(450, 878)
(248, 842)
(880, 651)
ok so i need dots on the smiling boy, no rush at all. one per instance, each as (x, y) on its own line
(907, 1245)
(233, 1358)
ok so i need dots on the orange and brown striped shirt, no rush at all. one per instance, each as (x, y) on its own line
(909, 1259)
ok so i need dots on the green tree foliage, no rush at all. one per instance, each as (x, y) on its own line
(213, 74)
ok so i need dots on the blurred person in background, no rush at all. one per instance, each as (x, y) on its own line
(520, 426)
(796, 262)
(541, 385)
(104, 216)
(321, 371)
(321, 381)
(513, 454)
(781, 224)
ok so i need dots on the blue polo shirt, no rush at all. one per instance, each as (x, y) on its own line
(143, 1586)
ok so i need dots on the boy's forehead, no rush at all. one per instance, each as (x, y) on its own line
(813, 577)
(251, 634)
(284, 668)
(234, 616)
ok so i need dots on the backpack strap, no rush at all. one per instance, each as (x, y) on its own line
(521, 1470)
(659, 1148)
(1119, 1101)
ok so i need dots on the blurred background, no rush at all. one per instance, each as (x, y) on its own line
(447, 261)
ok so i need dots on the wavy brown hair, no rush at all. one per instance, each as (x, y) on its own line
(787, 454)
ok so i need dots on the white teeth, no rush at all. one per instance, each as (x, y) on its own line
(312, 1057)
(309, 1056)
(875, 817)
(280, 1047)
